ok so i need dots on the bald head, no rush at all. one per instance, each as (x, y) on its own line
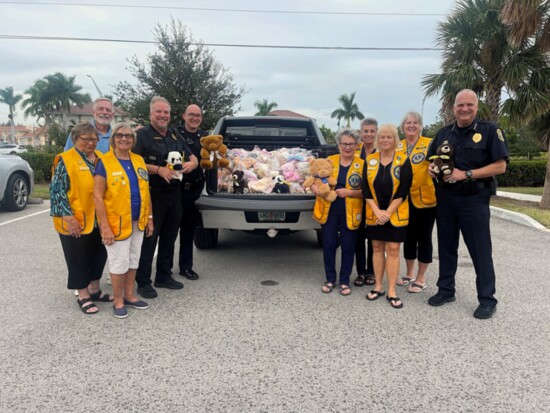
(465, 107)
(192, 118)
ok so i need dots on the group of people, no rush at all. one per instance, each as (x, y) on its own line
(114, 198)
(389, 193)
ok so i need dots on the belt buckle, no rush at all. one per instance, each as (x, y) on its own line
(187, 186)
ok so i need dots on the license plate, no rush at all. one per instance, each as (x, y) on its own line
(271, 216)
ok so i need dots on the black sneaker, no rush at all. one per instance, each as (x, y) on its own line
(147, 291)
(440, 299)
(169, 283)
(189, 274)
(484, 312)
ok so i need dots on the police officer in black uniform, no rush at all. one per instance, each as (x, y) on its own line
(191, 188)
(480, 153)
(154, 142)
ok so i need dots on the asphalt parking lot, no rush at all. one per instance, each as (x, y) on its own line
(230, 343)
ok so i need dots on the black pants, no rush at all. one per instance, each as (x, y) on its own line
(419, 234)
(85, 258)
(469, 214)
(363, 258)
(188, 224)
(167, 212)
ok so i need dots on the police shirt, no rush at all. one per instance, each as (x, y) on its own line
(154, 148)
(192, 139)
(474, 146)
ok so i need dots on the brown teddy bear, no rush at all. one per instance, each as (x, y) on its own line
(320, 174)
(442, 160)
(213, 152)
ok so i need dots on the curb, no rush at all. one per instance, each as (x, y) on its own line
(518, 218)
(35, 201)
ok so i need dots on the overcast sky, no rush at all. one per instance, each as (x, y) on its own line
(387, 83)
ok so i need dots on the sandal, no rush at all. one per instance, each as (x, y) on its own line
(370, 280)
(360, 280)
(376, 295)
(345, 290)
(327, 288)
(393, 300)
(86, 304)
(102, 298)
(420, 287)
(405, 281)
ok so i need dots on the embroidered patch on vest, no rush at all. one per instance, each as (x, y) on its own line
(354, 181)
(373, 162)
(418, 158)
(397, 172)
(143, 174)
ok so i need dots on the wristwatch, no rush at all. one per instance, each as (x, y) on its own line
(468, 174)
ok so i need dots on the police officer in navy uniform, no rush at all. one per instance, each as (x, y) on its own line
(480, 153)
(191, 188)
(153, 143)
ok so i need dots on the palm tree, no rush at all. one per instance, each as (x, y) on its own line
(349, 110)
(53, 93)
(264, 107)
(64, 93)
(7, 97)
(529, 21)
(478, 55)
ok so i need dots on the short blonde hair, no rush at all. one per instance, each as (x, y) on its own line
(116, 128)
(387, 128)
(156, 99)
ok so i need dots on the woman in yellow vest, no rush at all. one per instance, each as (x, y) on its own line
(73, 210)
(125, 214)
(387, 183)
(421, 204)
(363, 259)
(344, 214)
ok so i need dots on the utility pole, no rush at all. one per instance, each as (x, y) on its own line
(96, 87)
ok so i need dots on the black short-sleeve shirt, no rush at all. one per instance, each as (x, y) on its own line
(474, 146)
(154, 148)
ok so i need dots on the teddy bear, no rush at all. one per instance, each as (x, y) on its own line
(213, 152)
(320, 171)
(281, 186)
(174, 161)
(239, 183)
(442, 161)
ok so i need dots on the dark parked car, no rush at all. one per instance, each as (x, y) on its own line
(16, 182)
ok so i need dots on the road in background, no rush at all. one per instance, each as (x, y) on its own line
(230, 343)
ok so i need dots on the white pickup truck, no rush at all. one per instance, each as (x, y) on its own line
(267, 214)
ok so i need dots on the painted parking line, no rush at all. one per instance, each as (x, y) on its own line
(25, 217)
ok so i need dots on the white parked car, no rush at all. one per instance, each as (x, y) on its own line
(16, 182)
(11, 149)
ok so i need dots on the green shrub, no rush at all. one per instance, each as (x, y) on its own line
(523, 173)
(41, 163)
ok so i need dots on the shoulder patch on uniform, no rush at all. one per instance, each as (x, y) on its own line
(143, 174)
(418, 158)
(500, 135)
(477, 137)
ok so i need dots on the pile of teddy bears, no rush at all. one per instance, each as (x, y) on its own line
(263, 172)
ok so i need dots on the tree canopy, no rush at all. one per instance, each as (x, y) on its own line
(9, 98)
(264, 107)
(349, 110)
(184, 72)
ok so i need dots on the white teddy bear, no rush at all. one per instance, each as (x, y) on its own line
(174, 161)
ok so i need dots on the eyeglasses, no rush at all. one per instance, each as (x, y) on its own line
(89, 140)
(348, 145)
(194, 115)
(124, 136)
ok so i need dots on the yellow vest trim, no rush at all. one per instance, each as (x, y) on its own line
(354, 206)
(400, 217)
(80, 194)
(422, 193)
(118, 194)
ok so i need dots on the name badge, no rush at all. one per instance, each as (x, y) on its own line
(117, 173)
(84, 168)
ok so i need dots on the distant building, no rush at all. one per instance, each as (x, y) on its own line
(5, 133)
(84, 113)
(287, 113)
(25, 135)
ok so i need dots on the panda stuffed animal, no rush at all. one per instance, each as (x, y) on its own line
(281, 187)
(174, 161)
